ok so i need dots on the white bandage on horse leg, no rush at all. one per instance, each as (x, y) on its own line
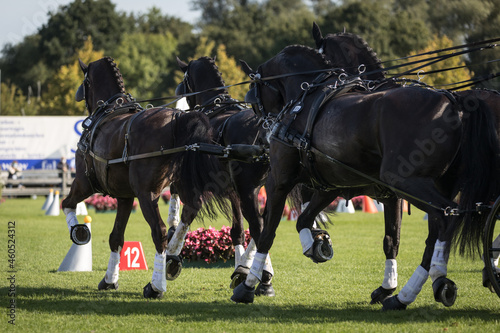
(256, 270)
(439, 261)
(412, 288)
(71, 219)
(113, 267)
(390, 274)
(248, 256)
(268, 266)
(495, 255)
(239, 250)
(306, 239)
(159, 280)
(175, 245)
(174, 209)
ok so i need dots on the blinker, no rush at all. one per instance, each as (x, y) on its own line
(80, 93)
(251, 96)
(181, 89)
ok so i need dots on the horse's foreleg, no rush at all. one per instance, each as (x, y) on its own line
(316, 243)
(174, 209)
(276, 198)
(116, 240)
(392, 217)
(173, 265)
(80, 190)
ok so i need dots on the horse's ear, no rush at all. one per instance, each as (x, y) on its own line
(83, 66)
(246, 68)
(215, 57)
(318, 37)
(182, 65)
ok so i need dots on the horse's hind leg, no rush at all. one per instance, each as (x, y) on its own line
(392, 217)
(116, 240)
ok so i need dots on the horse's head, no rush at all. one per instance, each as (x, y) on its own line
(350, 52)
(200, 75)
(279, 80)
(102, 82)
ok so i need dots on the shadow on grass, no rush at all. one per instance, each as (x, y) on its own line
(122, 304)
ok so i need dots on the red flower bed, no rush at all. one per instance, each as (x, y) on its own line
(104, 203)
(210, 244)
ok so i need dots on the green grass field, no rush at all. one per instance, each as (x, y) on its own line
(332, 297)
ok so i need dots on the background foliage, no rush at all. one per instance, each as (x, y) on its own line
(145, 45)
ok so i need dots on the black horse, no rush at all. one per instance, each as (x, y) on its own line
(351, 52)
(126, 152)
(419, 144)
(234, 127)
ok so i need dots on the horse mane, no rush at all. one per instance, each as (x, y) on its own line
(210, 63)
(116, 71)
(291, 49)
(359, 42)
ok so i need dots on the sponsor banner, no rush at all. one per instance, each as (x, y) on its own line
(38, 142)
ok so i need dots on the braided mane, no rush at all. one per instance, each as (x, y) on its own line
(210, 63)
(292, 49)
(118, 75)
(360, 43)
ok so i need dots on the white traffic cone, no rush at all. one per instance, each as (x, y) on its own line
(54, 206)
(79, 257)
(49, 200)
(345, 207)
(81, 209)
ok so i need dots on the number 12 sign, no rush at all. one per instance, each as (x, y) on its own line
(132, 257)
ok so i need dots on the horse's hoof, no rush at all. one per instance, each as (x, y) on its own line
(103, 285)
(321, 249)
(393, 303)
(445, 291)
(80, 234)
(486, 281)
(239, 275)
(149, 292)
(265, 289)
(173, 267)
(243, 294)
(380, 294)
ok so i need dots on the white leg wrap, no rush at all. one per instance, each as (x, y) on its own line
(256, 270)
(159, 280)
(175, 245)
(496, 254)
(248, 256)
(412, 288)
(174, 211)
(306, 239)
(71, 219)
(439, 261)
(267, 265)
(390, 274)
(239, 250)
(113, 267)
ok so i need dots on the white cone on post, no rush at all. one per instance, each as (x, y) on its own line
(49, 200)
(53, 210)
(81, 209)
(79, 257)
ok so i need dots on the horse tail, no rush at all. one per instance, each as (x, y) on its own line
(200, 179)
(479, 179)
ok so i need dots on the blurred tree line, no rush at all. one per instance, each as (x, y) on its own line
(40, 74)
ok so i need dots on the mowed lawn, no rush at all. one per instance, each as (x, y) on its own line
(329, 297)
